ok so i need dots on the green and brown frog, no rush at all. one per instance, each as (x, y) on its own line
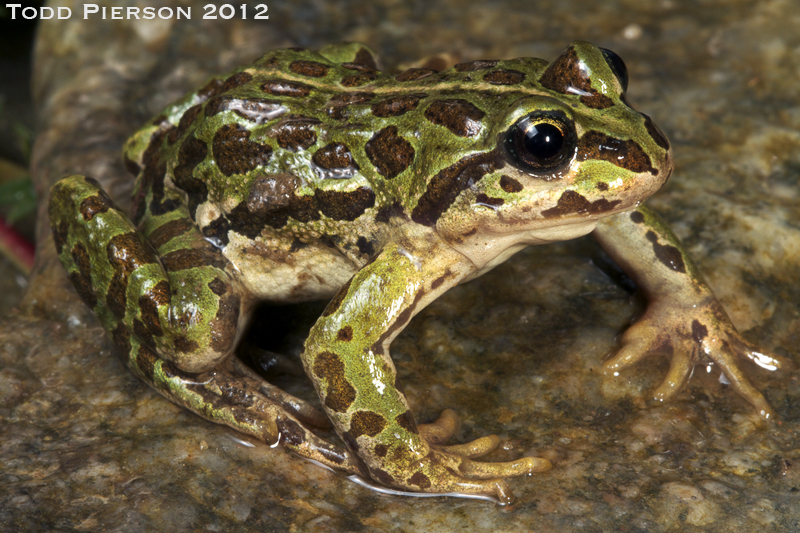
(314, 175)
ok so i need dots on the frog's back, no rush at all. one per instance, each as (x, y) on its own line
(302, 162)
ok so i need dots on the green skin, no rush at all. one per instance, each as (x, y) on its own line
(313, 175)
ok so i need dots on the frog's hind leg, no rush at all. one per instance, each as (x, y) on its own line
(170, 303)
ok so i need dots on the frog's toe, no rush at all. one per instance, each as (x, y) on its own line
(476, 448)
(519, 467)
(680, 370)
(633, 350)
(440, 431)
(725, 356)
(763, 358)
(495, 488)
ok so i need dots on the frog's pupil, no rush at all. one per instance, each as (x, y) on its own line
(543, 141)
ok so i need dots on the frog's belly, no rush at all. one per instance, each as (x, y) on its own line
(274, 270)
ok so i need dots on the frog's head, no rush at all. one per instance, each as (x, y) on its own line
(565, 153)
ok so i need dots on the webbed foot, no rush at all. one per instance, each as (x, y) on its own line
(692, 335)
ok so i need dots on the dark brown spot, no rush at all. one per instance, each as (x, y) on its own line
(217, 231)
(625, 154)
(667, 254)
(235, 153)
(293, 433)
(184, 345)
(312, 69)
(380, 450)
(236, 80)
(489, 200)
(658, 136)
(192, 152)
(389, 152)
(117, 295)
(571, 202)
(146, 359)
(218, 286)
(510, 185)
(210, 89)
(382, 477)
(334, 156)
(126, 253)
(406, 421)
(448, 183)
(296, 134)
(148, 308)
(344, 205)
(413, 74)
(297, 245)
(345, 334)
(95, 205)
(566, 74)
(357, 80)
(366, 423)
(602, 186)
(140, 331)
(264, 209)
(396, 106)
(271, 192)
(479, 64)
(131, 166)
(168, 231)
(637, 217)
(339, 394)
(60, 235)
(193, 258)
(435, 284)
(699, 331)
(504, 77)
(597, 101)
(365, 58)
(225, 325)
(365, 246)
(337, 300)
(121, 337)
(187, 119)
(82, 279)
(344, 99)
(420, 480)
(459, 116)
(286, 88)
(258, 110)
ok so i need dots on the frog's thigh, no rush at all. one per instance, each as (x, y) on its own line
(188, 310)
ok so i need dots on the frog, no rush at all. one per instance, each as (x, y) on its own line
(313, 175)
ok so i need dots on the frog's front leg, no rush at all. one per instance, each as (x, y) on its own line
(683, 319)
(170, 302)
(347, 356)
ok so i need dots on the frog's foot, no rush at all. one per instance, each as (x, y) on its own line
(451, 469)
(693, 335)
(232, 395)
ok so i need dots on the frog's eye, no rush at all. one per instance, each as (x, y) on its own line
(541, 141)
(617, 66)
